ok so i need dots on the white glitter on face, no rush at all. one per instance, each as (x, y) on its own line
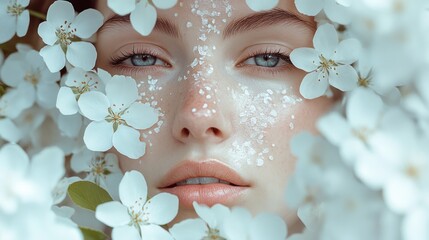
(260, 111)
(147, 94)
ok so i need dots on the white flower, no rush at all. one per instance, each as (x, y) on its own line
(12, 104)
(101, 168)
(14, 18)
(116, 116)
(78, 82)
(37, 222)
(25, 182)
(143, 14)
(60, 32)
(29, 68)
(398, 163)
(336, 10)
(328, 63)
(240, 225)
(262, 5)
(137, 218)
(208, 226)
(363, 111)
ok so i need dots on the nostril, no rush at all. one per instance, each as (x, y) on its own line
(215, 131)
(185, 132)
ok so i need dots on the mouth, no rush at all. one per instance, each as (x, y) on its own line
(208, 182)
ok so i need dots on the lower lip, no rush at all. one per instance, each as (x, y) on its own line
(208, 194)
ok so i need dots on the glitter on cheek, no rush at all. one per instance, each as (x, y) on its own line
(149, 92)
(259, 114)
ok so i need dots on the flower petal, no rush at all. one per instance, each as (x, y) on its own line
(22, 23)
(94, 105)
(162, 208)
(98, 136)
(47, 167)
(47, 32)
(133, 187)
(54, 57)
(338, 13)
(155, 232)
(122, 7)
(47, 95)
(125, 233)
(59, 12)
(344, 78)
(309, 7)
(12, 72)
(334, 120)
(127, 141)
(14, 159)
(189, 229)
(164, 4)
(313, 85)
(70, 125)
(364, 101)
(87, 23)
(325, 39)
(113, 214)
(143, 18)
(347, 52)
(66, 101)
(9, 131)
(82, 54)
(266, 224)
(8, 28)
(306, 59)
(140, 116)
(258, 5)
(121, 91)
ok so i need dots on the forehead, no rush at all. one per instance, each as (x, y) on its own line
(223, 11)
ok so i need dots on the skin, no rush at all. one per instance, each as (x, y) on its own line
(190, 131)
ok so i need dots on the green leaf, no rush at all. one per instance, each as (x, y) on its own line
(88, 195)
(91, 234)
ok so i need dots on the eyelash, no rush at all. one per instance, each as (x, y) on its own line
(118, 60)
(283, 55)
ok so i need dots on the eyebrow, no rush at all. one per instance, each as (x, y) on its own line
(247, 23)
(264, 19)
(162, 25)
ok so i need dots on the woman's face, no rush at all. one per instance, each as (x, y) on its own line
(227, 95)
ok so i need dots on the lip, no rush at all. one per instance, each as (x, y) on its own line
(208, 194)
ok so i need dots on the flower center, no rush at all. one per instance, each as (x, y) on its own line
(65, 35)
(32, 77)
(326, 64)
(116, 118)
(213, 234)
(138, 214)
(15, 9)
(85, 86)
(364, 82)
(98, 168)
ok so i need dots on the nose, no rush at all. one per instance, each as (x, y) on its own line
(201, 117)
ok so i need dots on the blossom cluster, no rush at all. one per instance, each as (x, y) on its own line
(367, 172)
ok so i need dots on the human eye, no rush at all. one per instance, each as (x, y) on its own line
(137, 58)
(267, 59)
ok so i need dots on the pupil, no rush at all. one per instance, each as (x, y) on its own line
(143, 60)
(267, 60)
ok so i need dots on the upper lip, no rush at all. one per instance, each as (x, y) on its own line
(209, 168)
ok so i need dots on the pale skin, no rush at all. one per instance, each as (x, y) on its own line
(230, 106)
